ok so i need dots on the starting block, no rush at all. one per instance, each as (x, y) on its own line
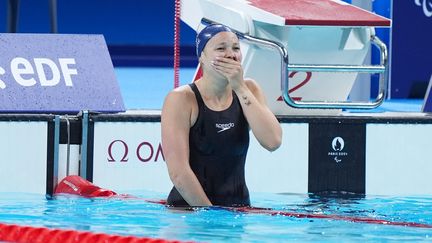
(303, 53)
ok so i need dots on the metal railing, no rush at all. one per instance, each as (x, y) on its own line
(382, 69)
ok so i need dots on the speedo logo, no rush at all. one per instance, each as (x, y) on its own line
(224, 126)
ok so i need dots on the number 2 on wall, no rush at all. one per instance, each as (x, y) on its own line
(298, 86)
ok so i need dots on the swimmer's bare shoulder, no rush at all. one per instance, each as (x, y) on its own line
(180, 102)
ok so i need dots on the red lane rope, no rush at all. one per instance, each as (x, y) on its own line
(29, 234)
(75, 185)
(177, 12)
(78, 186)
(273, 212)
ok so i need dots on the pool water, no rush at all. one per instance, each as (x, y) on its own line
(146, 87)
(138, 217)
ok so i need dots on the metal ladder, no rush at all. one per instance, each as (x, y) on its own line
(286, 67)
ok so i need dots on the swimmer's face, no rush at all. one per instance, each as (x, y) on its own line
(223, 44)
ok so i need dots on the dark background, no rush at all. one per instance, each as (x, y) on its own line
(138, 32)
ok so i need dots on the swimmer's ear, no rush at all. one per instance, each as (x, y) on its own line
(200, 59)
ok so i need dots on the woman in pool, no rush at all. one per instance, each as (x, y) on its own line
(205, 126)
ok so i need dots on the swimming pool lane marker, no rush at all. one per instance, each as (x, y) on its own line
(30, 234)
(273, 212)
(76, 185)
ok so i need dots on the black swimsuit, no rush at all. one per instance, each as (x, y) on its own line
(218, 143)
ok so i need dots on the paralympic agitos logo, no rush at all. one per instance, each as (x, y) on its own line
(119, 151)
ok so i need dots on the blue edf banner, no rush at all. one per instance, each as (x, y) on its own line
(52, 73)
(411, 56)
(427, 103)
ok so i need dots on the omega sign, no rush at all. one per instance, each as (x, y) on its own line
(120, 151)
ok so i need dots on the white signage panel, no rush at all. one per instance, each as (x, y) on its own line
(284, 170)
(128, 156)
(398, 159)
(23, 156)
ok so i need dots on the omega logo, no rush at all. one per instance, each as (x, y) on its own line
(118, 150)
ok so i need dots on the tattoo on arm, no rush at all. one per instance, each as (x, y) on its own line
(246, 100)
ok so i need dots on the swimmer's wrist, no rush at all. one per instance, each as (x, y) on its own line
(240, 89)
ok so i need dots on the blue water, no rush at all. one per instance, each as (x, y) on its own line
(138, 217)
(146, 87)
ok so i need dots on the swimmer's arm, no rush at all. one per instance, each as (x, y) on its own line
(175, 123)
(262, 121)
